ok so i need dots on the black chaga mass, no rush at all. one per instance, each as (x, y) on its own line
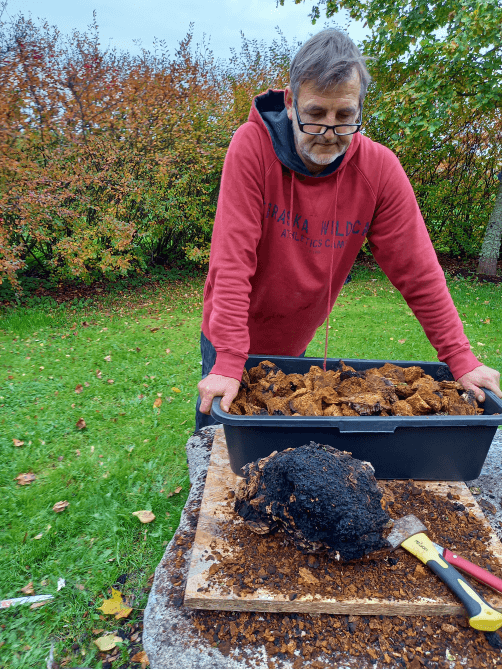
(322, 497)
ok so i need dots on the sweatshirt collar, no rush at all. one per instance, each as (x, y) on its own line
(269, 107)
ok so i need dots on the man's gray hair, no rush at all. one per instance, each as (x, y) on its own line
(327, 59)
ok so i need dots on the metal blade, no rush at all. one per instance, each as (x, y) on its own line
(438, 548)
(404, 528)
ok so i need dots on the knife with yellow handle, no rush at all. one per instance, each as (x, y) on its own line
(408, 532)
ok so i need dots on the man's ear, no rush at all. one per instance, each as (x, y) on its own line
(288, 101)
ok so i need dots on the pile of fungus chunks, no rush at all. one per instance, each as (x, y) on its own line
(387, 391)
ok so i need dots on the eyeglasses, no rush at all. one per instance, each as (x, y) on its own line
(321, 129)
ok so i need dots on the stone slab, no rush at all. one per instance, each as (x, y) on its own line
(170, 637)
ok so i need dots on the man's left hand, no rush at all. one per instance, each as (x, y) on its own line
(482, 376)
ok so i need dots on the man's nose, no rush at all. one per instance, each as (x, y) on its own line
(330, 135)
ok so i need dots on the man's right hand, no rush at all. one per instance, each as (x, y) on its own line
(217, 385)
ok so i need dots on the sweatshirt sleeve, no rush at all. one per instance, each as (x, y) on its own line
(236, 234)
(402, 247)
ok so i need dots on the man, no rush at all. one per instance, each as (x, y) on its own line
(301, 190)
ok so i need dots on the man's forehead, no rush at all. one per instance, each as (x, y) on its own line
(346, 92)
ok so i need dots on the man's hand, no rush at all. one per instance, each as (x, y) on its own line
(481, 376)
(214, 385)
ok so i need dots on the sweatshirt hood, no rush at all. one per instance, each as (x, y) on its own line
(269, 108)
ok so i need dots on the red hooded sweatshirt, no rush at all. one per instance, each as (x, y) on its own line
(284, 242)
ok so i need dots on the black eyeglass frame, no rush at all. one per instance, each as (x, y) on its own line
(326, 128)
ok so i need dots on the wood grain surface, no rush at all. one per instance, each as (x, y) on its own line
(216, 511)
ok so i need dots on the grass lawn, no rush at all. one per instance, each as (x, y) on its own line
(107, 361)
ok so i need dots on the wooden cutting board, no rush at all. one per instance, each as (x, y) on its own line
(212, 536)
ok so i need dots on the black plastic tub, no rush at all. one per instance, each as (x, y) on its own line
(450, 448)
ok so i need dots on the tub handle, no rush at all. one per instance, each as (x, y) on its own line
(367, 427)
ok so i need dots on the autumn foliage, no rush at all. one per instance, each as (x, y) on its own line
(110, 162)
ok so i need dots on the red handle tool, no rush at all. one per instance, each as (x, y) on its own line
(480, 574)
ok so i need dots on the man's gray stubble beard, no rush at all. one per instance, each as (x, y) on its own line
(326, 160)
(313, 158)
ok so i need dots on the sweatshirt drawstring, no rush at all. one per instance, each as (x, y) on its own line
(330, 280)
(331, 260)
(291, 196)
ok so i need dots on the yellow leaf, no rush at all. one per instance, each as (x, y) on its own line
(115, 605)
(107, 642)
(157, 402)
(141, 657)
(176, 390)
(145, 516)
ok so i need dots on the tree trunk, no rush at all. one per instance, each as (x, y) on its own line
(491, 244)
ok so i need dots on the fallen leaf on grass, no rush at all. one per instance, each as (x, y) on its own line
(480, 344)
(107, 642)
(145, 516)
(115, 605)
(157, 402)
(35, 605)
(401, 341)
(61, 583)
(86, 384)
(85, 324)
(25, 478)
(60, 506)
(108, 359)
(168, 351)
(99, 374)
(176, 390)
(176, 490)
(138, 349)
(110, 381)
(154, 330)
(79, 388)
(81, 424)
(28, 589)
(17, 443)
(142, 658)
(38, 537)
